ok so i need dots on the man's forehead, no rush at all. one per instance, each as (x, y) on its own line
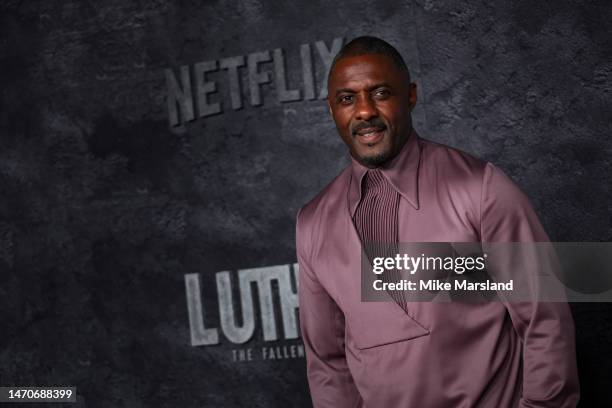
(369, 68)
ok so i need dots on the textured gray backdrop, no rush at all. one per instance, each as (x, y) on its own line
(106, 206)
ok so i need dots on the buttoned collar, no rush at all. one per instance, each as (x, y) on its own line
(401, 172)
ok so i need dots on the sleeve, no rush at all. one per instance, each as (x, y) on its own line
(546, 329)
(322, 326)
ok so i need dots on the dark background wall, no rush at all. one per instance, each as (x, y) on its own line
(106, 206)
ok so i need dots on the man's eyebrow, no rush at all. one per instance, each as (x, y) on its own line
(369, 88)
(344, 90)
(379, 85)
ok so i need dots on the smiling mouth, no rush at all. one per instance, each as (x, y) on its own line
(370, 135)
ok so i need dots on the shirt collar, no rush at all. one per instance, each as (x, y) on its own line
(401, 172)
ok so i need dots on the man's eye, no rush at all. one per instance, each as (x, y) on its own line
(346, 99)
(381, 93)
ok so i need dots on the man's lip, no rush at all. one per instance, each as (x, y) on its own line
(365, 131)
(369, 137)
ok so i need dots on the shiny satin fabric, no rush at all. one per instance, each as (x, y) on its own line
(375, 354)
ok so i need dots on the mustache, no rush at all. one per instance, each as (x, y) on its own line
(376, 123)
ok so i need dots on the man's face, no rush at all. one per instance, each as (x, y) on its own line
(370, 99)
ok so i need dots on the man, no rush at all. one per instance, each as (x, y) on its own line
(401, 188)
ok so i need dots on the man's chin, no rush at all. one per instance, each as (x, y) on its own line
(374, 160)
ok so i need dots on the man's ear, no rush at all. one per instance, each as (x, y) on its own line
(329, 108)
(412, 97)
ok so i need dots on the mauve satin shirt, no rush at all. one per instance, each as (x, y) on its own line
(446, 355)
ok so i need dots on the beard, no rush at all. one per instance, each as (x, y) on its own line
(375, 160)
(389, 149)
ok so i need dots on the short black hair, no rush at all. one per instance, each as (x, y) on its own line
(366, 45)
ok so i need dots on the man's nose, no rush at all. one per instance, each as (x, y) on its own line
(366, 109)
